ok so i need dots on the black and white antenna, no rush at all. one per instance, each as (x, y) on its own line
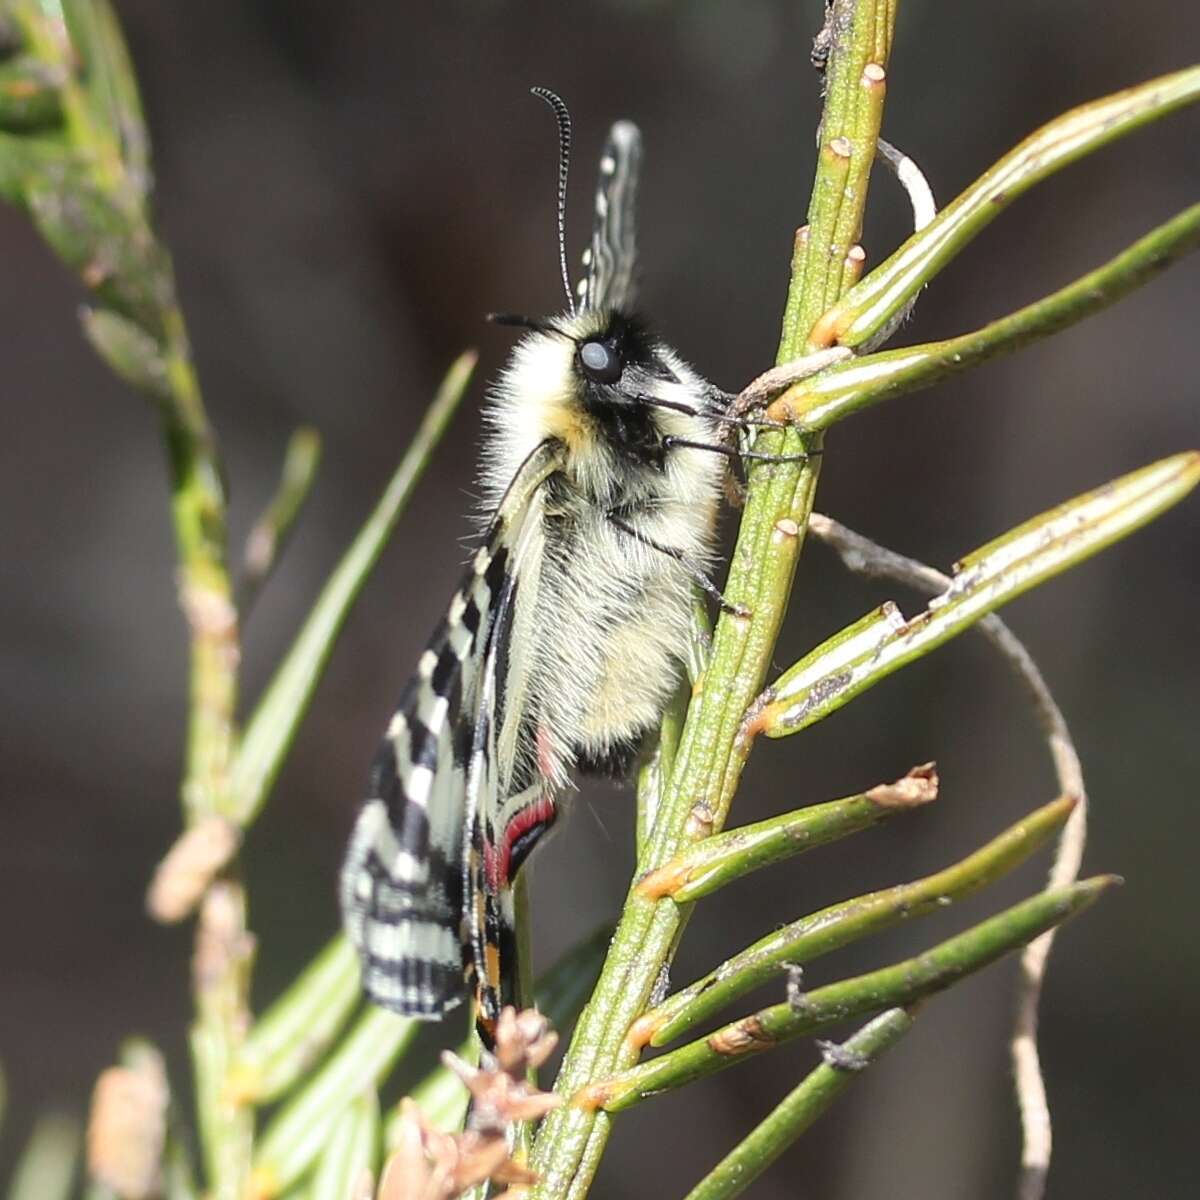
(563, 116)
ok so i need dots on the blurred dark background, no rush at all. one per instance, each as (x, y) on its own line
(347, 188)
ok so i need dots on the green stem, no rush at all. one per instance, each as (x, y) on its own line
(294, 1033)
(220, 984)
(49, 1162)
(297, 1135)
(868, 307)
(270, 533)
(851, 921)
(802, 1107)
(859, 657)
(901, 984)
(50, 43)
(841, 391)
(85, 190)
(28, 98)
(780, 497)
(707, 866)
(823, 932)
(352, 1151)
(111, 85)
(86, 195)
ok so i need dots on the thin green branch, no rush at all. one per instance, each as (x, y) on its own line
(352, 1152)
(111, 84)
(179, 1181)
(709, 865)
(21, 159)
(845, 389)
(272, 728)
(802, 1107)
(50, 40)
(656, 773)
(779, 500)
(863, 556)
(270, 533)
(868, 307)
(85, 188)
(859, 657)
(131, 353)
(220, 984)
(823, 932)
(296, 1136)
(294, 1033)
(85, 191)
(49, 1162)
(903, 983)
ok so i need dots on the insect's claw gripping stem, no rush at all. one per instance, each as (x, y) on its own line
(773, 383)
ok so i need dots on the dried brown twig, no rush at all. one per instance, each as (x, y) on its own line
(431, 1165)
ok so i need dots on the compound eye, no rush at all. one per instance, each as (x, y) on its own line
(600, 362)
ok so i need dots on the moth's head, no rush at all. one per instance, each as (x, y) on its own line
(593, 352)
(601, 382)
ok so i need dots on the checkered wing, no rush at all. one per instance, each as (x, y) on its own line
(609, 262)
(415, 899)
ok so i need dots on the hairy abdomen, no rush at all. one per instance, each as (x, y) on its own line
(613, 629)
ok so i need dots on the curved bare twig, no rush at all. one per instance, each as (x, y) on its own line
(865, 557)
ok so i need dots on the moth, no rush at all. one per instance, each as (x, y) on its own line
(603, 464)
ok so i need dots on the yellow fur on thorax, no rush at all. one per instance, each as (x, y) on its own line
(563, 418)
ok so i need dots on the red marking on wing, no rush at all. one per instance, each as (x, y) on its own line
(496, 859)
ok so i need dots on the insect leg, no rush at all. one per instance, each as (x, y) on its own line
(700, 578)
(734, 452)
(717, 412)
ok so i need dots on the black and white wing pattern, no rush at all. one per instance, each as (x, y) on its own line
(609, 262)
(423, 890)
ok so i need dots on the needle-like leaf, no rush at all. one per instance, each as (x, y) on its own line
(859, 657)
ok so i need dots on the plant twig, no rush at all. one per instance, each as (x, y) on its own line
(300, 1131)
(293, 1034)
(221, 983)
(870, 305)
(858, 657)
(866, 557)
(87, 193)
(803, 1106)
(270, 533)
(859, 383)
(840, 924)
(86, 190)
(900, 984)
(49, 1161)
(351, 1152)
(705, 867)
